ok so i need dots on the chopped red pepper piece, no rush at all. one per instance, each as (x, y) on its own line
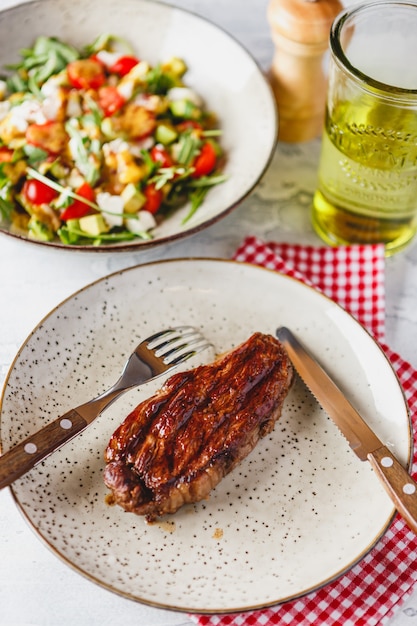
(110, 100)
(123, 65)
(205, 162)
(78, 208)
(159, 154)
(153, 197)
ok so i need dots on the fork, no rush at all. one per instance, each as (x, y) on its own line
(152, 357)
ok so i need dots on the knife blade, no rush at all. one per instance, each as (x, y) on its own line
(397, 482)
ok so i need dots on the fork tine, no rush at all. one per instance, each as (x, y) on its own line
(155, 338)
(171, 359)
(198, 343)
(175, 345)
(168, 337)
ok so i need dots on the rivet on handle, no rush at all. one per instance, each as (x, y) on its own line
(31, 448)
(386, 461)
(408, 488)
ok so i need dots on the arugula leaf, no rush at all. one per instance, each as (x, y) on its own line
(34, 155)
(159, 82)
(108, 42)
(4, 179)
(84, 148)
(208, 181)
(95, 115)
(6, 208)
(200, 188)
(47, 58)
(150, 164)
(16, 83)
(46, 45)
(76, 236)
(189, 145)
(166, 174)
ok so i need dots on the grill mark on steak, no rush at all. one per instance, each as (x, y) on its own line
(176, 446)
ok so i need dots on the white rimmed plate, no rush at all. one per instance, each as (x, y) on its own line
(295, 514)
(220, 70)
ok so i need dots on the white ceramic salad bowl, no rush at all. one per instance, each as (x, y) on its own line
(220, 70)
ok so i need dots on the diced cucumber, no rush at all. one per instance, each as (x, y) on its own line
(133, 199)
(93, 224)
(175, 66)
(185, 109)
(73, 225)
(165, 134)
(58, 170)
(107, 128)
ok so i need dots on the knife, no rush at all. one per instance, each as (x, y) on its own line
(399, 485)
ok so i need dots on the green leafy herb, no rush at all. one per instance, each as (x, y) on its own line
(16, 83)
(159, 82)
(47, 58)
(34, 155)
(108, 42)
(6, 208)
(76, 236)
(188, 147)
(200, 188)
(84, 148)
(208, 181)
(168, 174)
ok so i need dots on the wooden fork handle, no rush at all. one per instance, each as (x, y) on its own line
(25, 455)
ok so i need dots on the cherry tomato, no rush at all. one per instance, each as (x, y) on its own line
(86, 74)
(50, 136)
(110, 100)
(153, 197)
(6, 155)
(37, 192)
(159, 154)
(78, 208)
(205, 162)
(123, 65)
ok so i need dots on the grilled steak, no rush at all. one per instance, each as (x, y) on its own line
(176, 446)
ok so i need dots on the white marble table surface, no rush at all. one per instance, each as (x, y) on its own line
(36, 588)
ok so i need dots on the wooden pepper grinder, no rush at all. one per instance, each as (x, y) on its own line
(300, 32)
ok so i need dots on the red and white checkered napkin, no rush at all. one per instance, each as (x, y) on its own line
(368, 593)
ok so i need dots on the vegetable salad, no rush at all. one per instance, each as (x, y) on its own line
(97, 146)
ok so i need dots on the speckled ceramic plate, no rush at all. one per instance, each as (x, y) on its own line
(295, 514)
(220, 70)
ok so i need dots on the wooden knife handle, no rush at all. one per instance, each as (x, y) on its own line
(401, 488)
(25, 455)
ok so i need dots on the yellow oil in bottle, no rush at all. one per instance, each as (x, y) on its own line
(367, 190)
